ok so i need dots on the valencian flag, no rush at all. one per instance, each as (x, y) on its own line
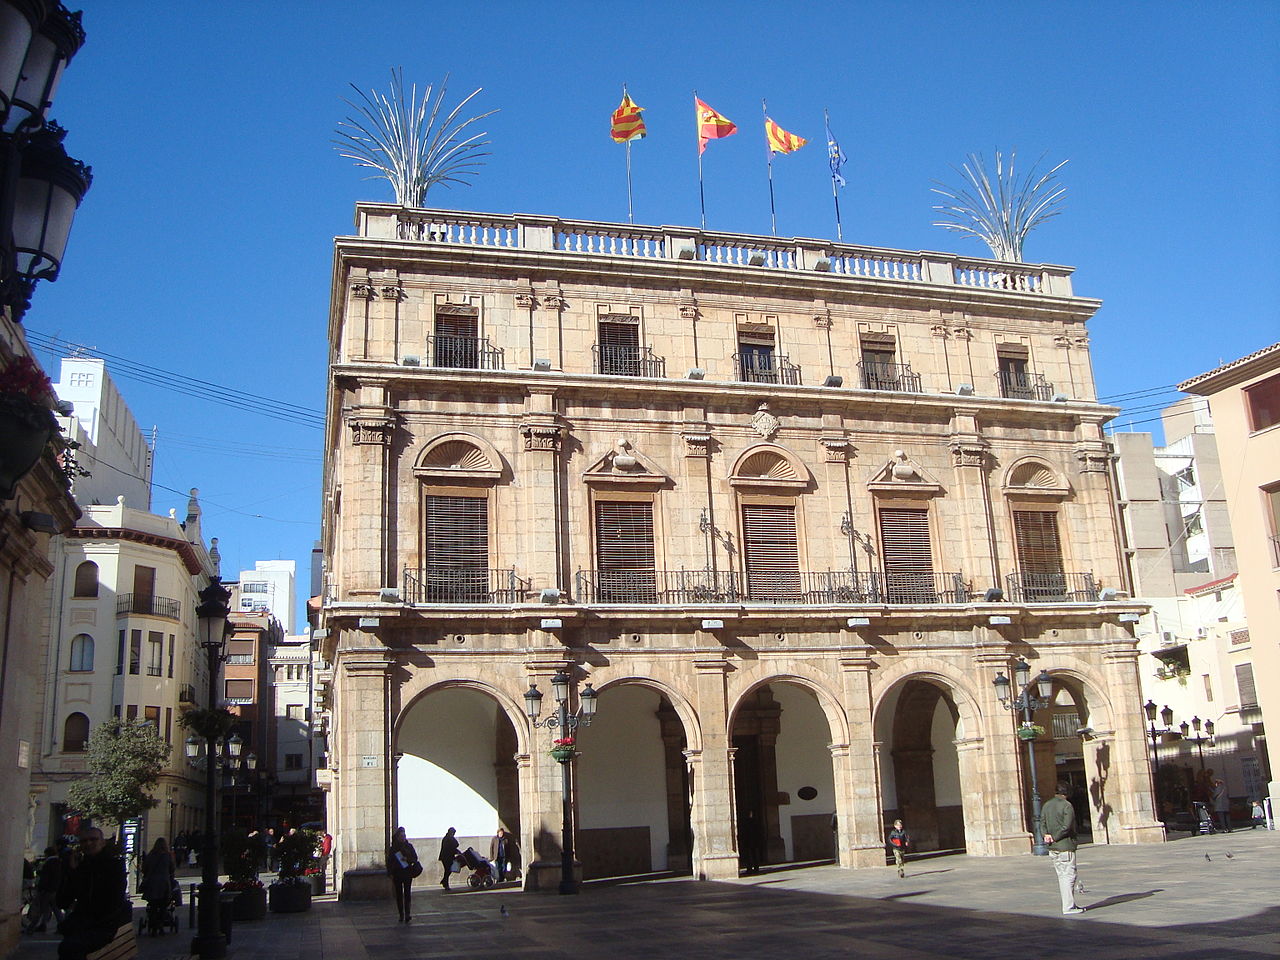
(711, 125)
(627, 123)
(779, 140)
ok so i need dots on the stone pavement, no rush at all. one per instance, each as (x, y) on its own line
(1214, 897)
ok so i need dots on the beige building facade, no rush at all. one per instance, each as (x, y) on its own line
(1244, 398)
(788, 506)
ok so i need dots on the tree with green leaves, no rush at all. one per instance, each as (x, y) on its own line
(126, 758)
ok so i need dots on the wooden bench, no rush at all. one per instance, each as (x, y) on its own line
(123, 946)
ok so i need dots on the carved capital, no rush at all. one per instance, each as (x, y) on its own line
(940, 330)
(822, 321)
(968, 451)
(553, 301)
(542, 433)
(1063, 342)
(392, 291)
(371, 430)
(1093, 456)
(697, 441)
(526, 300)
(362, 290)
(962, 333)
(838, 448)
(688, 309)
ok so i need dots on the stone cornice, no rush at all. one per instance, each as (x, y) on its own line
(185, 550)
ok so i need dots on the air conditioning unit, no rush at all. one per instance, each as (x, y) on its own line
(1201, 633)
(1167, 637)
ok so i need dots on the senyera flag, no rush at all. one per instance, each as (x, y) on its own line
(711, 125)
(779, 140)
(627, 123)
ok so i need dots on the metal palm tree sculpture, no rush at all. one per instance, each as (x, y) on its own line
(1000, 210)
(409, 142)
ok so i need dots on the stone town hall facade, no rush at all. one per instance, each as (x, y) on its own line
(774, 483)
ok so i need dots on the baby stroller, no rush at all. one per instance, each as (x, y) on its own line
(482, 873)
(162, 915)
(1204, 819)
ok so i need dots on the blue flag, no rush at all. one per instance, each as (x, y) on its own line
(836, 157)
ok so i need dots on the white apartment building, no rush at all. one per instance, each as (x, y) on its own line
(289, 671)
(271, 586)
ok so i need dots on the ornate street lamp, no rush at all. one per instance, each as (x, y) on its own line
(212, 612)
(565, 724)
(1199, 738)
(1166, 718)
(1028, 702)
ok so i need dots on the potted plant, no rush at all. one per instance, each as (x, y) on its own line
(562, 749)
(241, 854)
(291, 892)
(1030, 731)
(27, 422)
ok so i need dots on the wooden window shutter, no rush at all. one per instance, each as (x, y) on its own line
(456, 551)
(770, 551)
(1245, 685)
(624, 551)
(1036, 536)
(907, 555)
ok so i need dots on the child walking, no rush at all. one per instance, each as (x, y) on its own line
(899, 840)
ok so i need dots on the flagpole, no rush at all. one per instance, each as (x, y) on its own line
(835, 195)
(697, 132)
(630, 215)
(768, 150)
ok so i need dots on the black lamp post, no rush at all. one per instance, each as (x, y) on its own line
(565, 724)
(1166, 718)
(1028, 703)
(40, 186)
(1198, 739)
(209, 942)
(247, 763)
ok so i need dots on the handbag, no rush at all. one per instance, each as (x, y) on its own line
(415, 869)
(455, 866)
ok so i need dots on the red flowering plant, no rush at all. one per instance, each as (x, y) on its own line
(563, 742)
(25, 392)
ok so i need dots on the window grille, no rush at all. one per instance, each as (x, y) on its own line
(907, 555)
(770, 551)
(624, 551)
(457, 342)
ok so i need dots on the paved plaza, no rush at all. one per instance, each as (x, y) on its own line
(1214, 897)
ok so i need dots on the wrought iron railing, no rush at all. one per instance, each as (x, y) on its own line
(1053, 588)
(888, 376)
(240, 658)
(1024, 386)
(463, 585)
(758, 368)
(627, 361)
(915, 588)
(186, 693)
(464, 353)
(802, 587)
(147, 605)
(656, 586)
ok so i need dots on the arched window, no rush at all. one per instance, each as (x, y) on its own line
(86, 580)
(82, 653)
(75, 733)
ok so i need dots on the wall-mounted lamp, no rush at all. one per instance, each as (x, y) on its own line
(833, 381)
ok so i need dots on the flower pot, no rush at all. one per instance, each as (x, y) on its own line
(1029, 733)
(563, 754)
(250, 904)
(290, 897)
(317, 883)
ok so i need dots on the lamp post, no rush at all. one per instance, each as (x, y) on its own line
(212, 613)
(40, 186)
(1198, 739)
(1166, 718)
(565, 724)
(1028, 702)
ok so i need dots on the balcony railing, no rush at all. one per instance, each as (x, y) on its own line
(1024, 386)
(1052, 588)
(743, 251)
(627, 361)
(240, 658)
(755, 368)
(888, 376)
(805, 587)
(186, 693)
(149, 606)
(463, 585)
(464, 353)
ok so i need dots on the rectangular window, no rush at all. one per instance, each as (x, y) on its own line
(457, 342)
(131, 712)
(171, 645)
(755, 359)
(168, 724)
(1208, 688)
(620, 346)
(879, 365)
(151, 715)
(1272, 508)
(120, 654)
(135, 652)
(296, 711)
(1263, 402)
(144, 586)
(624, 552)
(908, 555)
(155, 653)
(1245, 685)
(456, 550)
(293, 761)
(1035, 534)
(115, 711)
(240, 651)
(771, 551)
(1015, 381)
(239, 689)
(255, 586)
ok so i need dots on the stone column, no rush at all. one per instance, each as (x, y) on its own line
(715, 853)
(970, 757)
(542, 533)
(366, 552)
(859, 815)
(1122, 762)
(363, 793)
(1099, 539)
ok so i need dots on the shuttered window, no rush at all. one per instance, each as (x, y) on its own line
(619, 348)
(1035, 534)
(456, 342)
(1245, 684)
(456, 551)
(908, 556)
(770, 551)
(624, 552)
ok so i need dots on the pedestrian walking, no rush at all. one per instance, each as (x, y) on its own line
(44, 900)
(1058, 820)
(500, 849)
(95, 894)
(402, 866)
(899, 841)
(1222, 804)
(448, 856)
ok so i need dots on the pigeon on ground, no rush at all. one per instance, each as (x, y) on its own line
(1207, 857)
(1230, 856)
(503, 910)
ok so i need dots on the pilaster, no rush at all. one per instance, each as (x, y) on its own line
(715, 849)
(364, 791)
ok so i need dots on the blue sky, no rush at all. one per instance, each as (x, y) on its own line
(204, 246)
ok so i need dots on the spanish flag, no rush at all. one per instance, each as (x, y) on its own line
(711, 125)
(779, 140)
(627, 123)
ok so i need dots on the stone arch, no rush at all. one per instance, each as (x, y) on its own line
(969, 713)
(769, 465)
(458, 455)
(1089, 771)
(411, 693)
(679, 702)
(755, 677)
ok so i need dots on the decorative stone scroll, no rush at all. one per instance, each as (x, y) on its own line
(1093, 456)
(371, 430)
(838, 448)
(362, 290)
(393, 291)
(542, 434)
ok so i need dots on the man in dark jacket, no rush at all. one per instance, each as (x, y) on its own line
(1059, 823)
(448, 853)
(95, 891)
